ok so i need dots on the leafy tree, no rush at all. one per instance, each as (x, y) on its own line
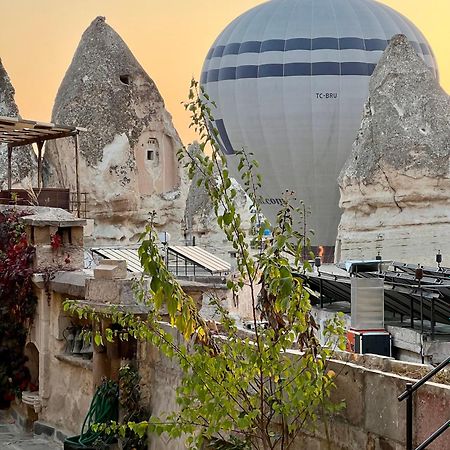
(239, 389)
(17, 304)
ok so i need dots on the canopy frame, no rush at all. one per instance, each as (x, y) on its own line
(16, 132)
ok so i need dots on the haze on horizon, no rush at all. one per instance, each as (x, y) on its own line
(169, 38)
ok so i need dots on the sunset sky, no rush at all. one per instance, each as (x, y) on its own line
(170, 38)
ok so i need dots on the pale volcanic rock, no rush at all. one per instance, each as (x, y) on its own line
(23, 161)
(395, 186)
(128, 163)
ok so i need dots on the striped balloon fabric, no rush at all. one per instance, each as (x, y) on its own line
(290, 78)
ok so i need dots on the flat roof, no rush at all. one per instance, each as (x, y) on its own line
(17, 132)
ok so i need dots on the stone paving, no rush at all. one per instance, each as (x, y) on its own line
(13, 438)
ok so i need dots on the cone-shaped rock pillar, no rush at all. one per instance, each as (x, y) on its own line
(23, 162)
(395, 186)
(128, 163)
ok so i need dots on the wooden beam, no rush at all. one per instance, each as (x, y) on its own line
(77, 178)
(45, 137)
(39, 157)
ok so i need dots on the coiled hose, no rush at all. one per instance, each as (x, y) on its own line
(104, 408)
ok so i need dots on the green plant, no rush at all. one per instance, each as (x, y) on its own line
(133, 410)
(17, 304)
(242, 390)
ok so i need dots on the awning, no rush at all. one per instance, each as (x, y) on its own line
(180, 260)
(130, 255)
(201, 257)
(17, 132)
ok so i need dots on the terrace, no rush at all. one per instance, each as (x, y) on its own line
(17, 133)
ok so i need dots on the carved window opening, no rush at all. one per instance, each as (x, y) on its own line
(65, 234)
(153, 143)
(125, 79)
(152, 150)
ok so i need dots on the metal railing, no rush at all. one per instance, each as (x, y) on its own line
(408, 395)
(78, 204)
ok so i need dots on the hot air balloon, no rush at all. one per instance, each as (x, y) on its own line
(290, 78)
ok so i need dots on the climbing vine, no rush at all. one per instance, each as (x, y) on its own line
(17, 304)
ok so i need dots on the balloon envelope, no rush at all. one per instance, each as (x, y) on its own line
(290, 78)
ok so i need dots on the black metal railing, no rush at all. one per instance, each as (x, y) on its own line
(408, 395)
(78, 204)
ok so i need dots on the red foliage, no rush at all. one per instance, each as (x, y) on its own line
(17, 303)
(55, 241)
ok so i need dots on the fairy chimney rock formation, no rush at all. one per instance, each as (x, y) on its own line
(395, 186)
(23, 163)
(128, 163)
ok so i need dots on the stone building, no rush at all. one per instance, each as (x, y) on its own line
(67, 371)
(64, 368)
(395, 186)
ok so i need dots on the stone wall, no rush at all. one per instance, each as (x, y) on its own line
(159, 379)
(372, 420)
(65, 385)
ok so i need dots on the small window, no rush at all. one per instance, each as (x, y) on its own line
(65, 235)
(150, 155)
(125, 79)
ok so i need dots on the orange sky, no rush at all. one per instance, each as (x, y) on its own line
(170, 38)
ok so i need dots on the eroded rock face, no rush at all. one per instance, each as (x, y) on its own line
(128, 163)
(395, 186)
(23, 161)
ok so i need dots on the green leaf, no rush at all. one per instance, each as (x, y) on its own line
(228, 218)
(98, 339)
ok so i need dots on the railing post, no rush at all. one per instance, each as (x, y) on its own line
(321, 294)
(409, 417)
(39, 144)
(421, 310)
(432, 317)
(77, 177)
(411, 311)
(9, 168)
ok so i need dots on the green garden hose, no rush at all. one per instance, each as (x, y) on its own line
(104, 409)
